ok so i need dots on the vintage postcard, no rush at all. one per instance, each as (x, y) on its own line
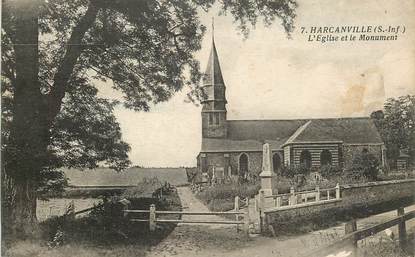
(208, 128)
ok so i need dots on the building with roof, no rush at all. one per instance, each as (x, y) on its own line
(235, 146)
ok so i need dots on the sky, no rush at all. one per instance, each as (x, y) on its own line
(269, 76)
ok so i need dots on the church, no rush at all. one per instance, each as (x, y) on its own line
(234, 147)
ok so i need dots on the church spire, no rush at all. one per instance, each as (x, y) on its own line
(213, 74)
(213, 28)
(214, 122)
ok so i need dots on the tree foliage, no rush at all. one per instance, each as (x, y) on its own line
(396, 124)
(365, 165)
(54, 52)
(145, 48)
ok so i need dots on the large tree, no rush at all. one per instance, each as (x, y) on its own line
(54, 50)
(396, 124)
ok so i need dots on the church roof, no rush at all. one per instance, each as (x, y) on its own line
(250, 135)
(213, 74)
(347, 130)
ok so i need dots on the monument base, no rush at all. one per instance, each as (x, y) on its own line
(267, 184)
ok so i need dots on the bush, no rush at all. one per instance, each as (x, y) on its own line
(144, 189)
(328, 171)
(221, 205)
(226, 191)
(291, 171)
(365, 165)
(106, 225)
(221, 196)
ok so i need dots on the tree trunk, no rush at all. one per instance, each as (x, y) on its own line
(26, 152)
(19, 208)
(26, 149)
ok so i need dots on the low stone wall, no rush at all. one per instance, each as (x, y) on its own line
(356, 201)
(372, 193)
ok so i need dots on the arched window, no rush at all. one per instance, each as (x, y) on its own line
(305, 159)
(243, 164)
(325, 157)
(276, 162)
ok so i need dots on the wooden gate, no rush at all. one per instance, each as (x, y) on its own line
(155, 216)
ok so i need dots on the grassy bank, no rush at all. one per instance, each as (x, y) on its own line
(104, 232)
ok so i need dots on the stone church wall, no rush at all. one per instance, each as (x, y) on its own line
(254, 162)
(232, 159)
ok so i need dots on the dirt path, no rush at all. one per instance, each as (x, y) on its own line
(223, 240)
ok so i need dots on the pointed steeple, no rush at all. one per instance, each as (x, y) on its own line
(214, 121)
(213, 83)
(213, 74)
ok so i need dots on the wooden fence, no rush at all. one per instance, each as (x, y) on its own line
(294, 198)
(353, 235)
(154, 217)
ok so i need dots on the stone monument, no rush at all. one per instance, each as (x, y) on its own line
(267, 175)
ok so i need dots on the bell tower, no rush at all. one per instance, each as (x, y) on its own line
(214, 99)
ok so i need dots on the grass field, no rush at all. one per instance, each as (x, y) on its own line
(129, 177)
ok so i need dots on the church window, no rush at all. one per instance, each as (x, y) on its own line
(276, 162)
(325, 157)
(243, 165)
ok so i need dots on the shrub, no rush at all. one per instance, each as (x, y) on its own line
(221, 196)
(221, 205)
(328, 171)
(291, 171)
(144, 188)
(364, 164)
(226, 191)
(107, 225)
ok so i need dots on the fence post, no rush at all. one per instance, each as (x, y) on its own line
(261, 200)
(337, 191)
(237, 210)
(70, 210)
(351, 227)
(152, 217)
(125, 206)
(279, 201)
(236, 203)
(402, 230)
(261, 209)
(317, 193)
(292, 200)
(328, 194)
(246, 221)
